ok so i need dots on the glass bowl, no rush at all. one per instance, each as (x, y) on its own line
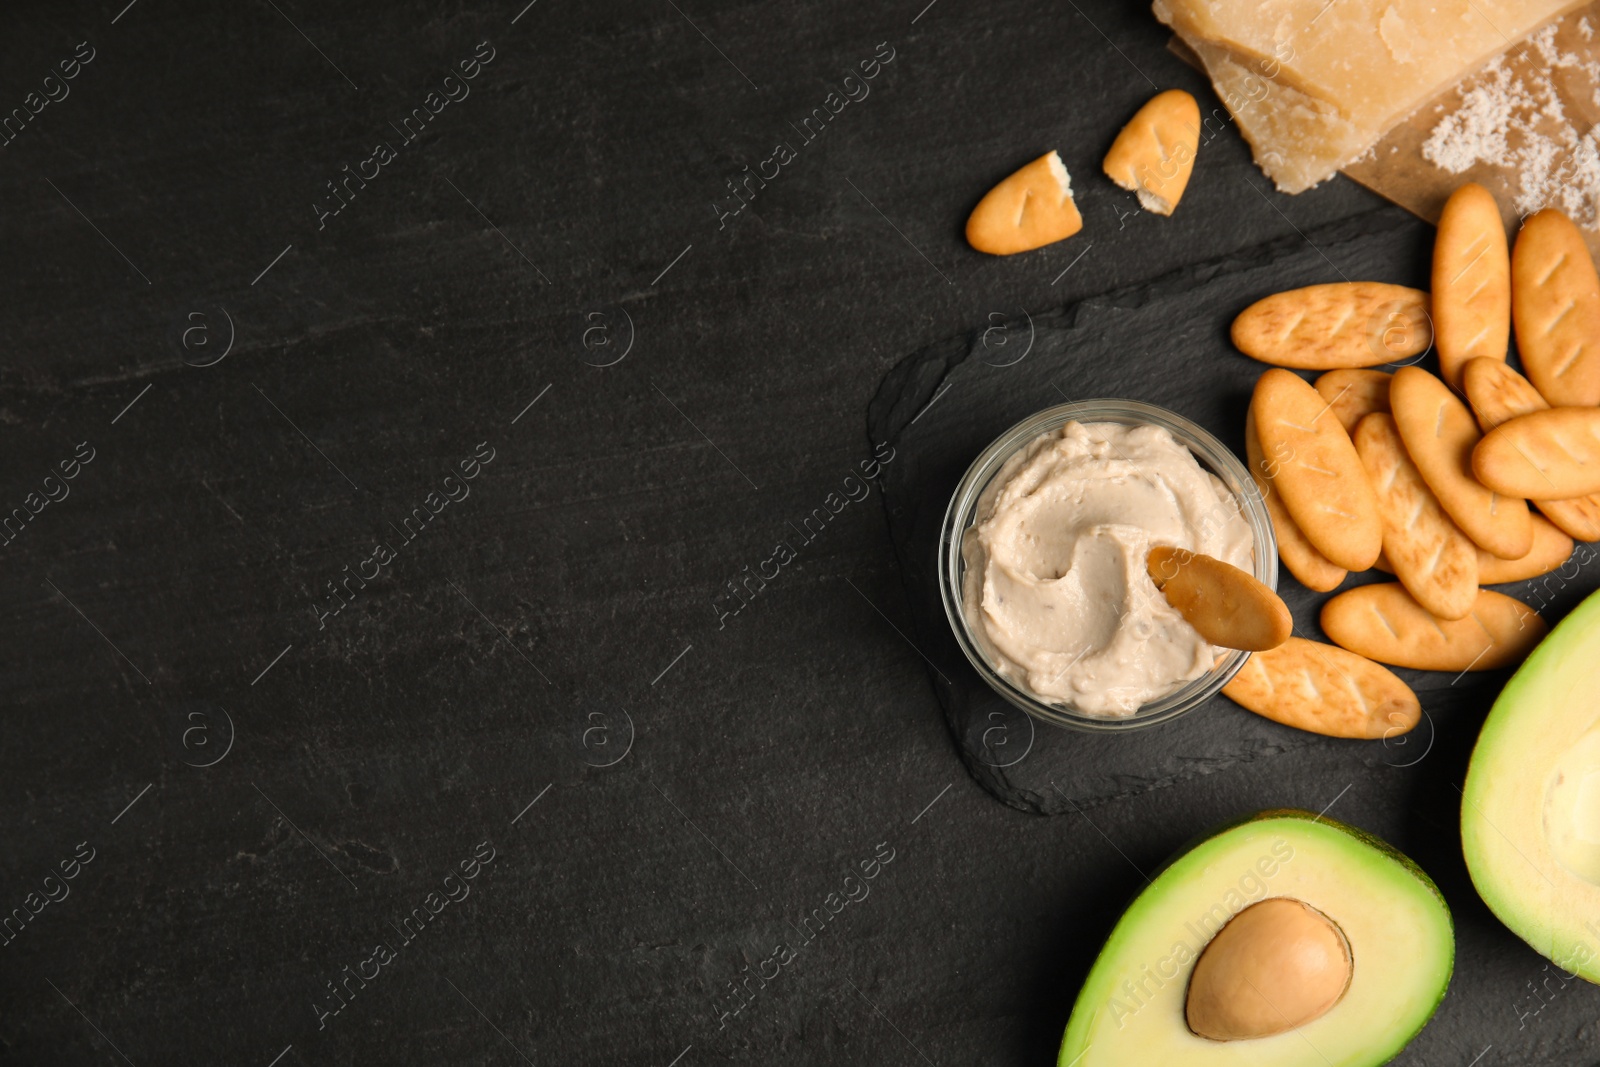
(1212, 456)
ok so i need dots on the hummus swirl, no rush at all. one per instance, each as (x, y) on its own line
(1056, 592)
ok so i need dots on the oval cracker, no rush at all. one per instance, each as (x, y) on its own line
(1471, 282)
(1578, 518)
(1548, 455)
(1316, 469)
(1326, 690)
(1440, 433)
(1311, 567)
(1551, 548)
(1230, 608)
(1430, 555)
(1339, 324)
(1497, 393)
(1555, 304)
(1384, 623)
(1354, 394)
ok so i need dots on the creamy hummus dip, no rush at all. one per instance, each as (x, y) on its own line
(1056, 592)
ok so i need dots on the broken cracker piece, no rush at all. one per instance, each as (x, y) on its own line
(1028, 210)
(1153, 156)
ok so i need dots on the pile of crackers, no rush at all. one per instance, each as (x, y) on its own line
(1427, 477)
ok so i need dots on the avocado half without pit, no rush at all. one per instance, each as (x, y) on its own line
(1285, 939)
(1530, 807)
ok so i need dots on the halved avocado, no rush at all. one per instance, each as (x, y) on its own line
(1530, 809)
(1138, 1004)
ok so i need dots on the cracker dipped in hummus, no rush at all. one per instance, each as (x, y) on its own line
(1056, 591)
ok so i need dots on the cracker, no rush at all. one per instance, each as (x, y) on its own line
(1354, 394)
(1548, 455)
(1028, 210)
(1551, 548)
(1311, 567)
(1341, 324)
(1440, 433)
(1326, 690)
(1317, 472)
(1384, 623)
(1430, 555)
(1471, 282)
(1229, 607)
(1154, 154)
(1578, 518)
(1497, 393)
(1555, 304)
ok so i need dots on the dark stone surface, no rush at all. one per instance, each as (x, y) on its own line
(269, 793)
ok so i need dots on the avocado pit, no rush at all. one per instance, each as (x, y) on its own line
(1277, 965)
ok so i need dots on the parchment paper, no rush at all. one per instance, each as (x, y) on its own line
(1397, 170)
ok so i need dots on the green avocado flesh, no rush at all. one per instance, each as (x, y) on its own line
(1530, 810)
(1130, 1012)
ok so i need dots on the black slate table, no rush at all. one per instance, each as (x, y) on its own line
(425, 375)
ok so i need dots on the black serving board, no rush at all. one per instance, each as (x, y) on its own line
(1164, 343)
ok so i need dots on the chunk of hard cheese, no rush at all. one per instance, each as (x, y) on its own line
(1313, 84)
